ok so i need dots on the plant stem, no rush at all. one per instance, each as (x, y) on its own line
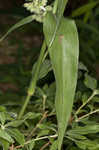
(35, 128)
(45, 55)
(31, 89)
(32, 86)
(44, 102)
(45, 145)
(84, 116)
(89, 99)
(55, 6)
(24, 106)
(38, 139)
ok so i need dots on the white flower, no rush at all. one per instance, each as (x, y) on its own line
(39, 8)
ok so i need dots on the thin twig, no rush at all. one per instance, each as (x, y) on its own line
(44, 102)
(84, 116)
(46, 53)
(45, 145)
(11, 147)
(37, 139)
(93, 94)
(34, 129)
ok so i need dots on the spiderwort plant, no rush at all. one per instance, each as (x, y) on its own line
(61, 42)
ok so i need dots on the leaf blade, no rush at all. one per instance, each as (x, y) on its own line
(17, 25)
(84, 9)
(64, 56)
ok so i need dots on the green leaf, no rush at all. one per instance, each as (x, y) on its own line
(31, 145)
(84, 98)
(64, 57)
(2, 109)
(4, 135)
(17, 135)
(50, 26)
(76, 136)
(88, 129)
(84, 9)
(5, 144)
(74, 148)
(43, 133)
(96, 91)
(87, 27)
(15, 123)
(82, 67)
(48, 126)
(61, 7)
(90, 82)
(2, 117)
(31, 115)
(54, 145)
(44, 69)
(17, 25)
(81, 145)
(87, 144)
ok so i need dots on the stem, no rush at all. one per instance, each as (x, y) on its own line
(70, 138)
(95, 111)
(32, 86)
(46, 137)
(44, 102)
(35, 128)
(45, 145)
(38, 139)
(89, 99)
(45, 55)
(55, 6)
(24, 106)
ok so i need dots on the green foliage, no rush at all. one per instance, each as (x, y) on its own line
(22, 22)
(84, 9)
(54, 145)
(90, 82)
(77, 122)
(4, 135)
(66, 57)
(61, 4)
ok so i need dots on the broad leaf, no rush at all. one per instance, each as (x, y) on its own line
(76, 136)
(17, 135)
(44, 69)
(5, 144)
(4, 135)
(31, 115)
(2, 117)
(85, 130)
(90, 82)
(87, 144)
(61, 7)
(14, 123)
(64, 57)
(50, 26)
(43, 132)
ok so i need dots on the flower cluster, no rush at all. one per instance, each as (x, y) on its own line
(39, 8)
